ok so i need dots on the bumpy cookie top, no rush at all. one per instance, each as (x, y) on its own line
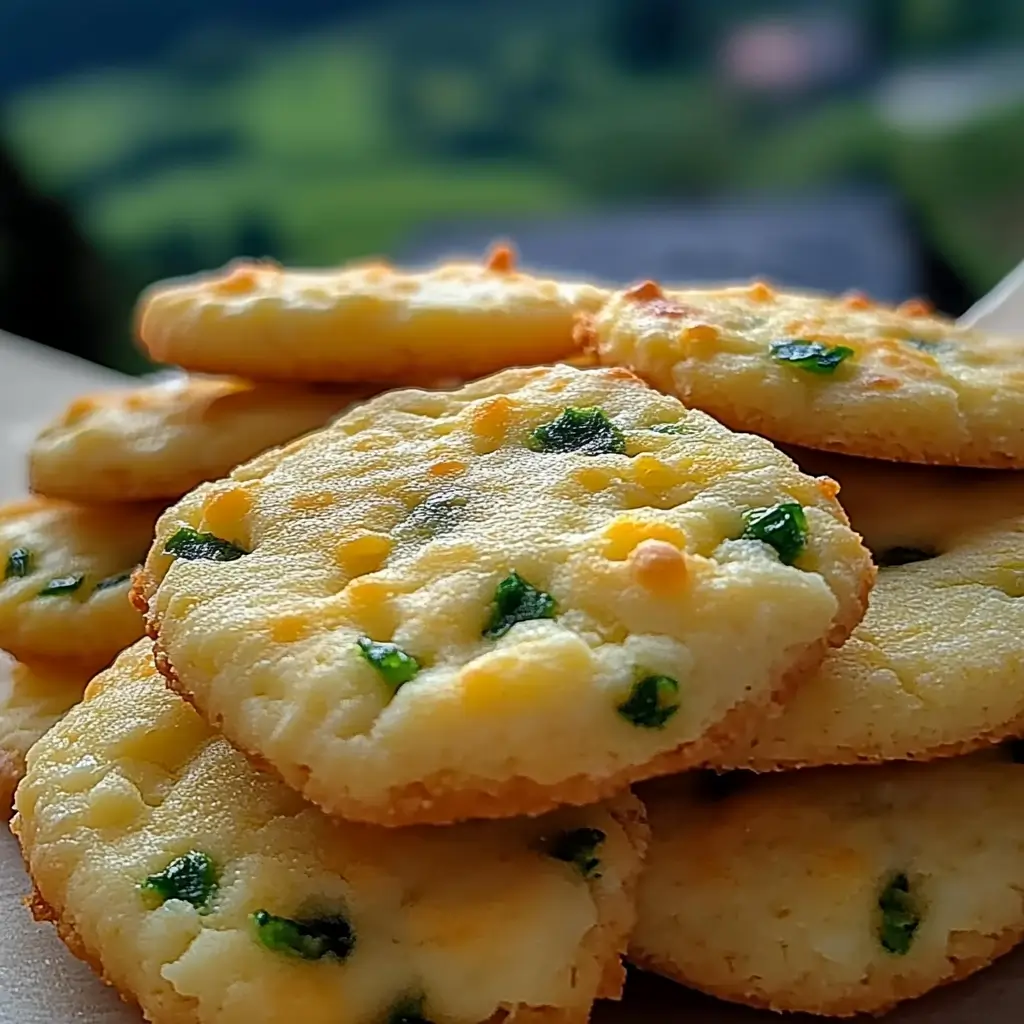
(236, 900)
(490, 601)
(935, 669)
(64, 577)
(841, 374)
(32, 697)
(365, 322)
(160, 441)
(835, 891)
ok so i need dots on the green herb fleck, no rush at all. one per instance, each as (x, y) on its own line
(652, 701)
(408, 1011)
(437, 513)
(584, 430)
(811, 356)
(310, 938)
(113, 581)
(669, 428)
(783, 527)
(578, 847)
(19, 564)
(192, 545)
(900, 917)
(516, 601)
(902, 556)
(191, 877)
(394, 665)
(63, 585)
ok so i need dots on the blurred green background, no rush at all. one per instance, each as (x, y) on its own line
(142, 142)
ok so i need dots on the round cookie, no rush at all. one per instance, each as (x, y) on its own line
(160, 441)
(367, 322)
(493, 601)
(64, 578)
(836, 373)
(833, 891)
(206, 890)
(32, 699)
(936, 667)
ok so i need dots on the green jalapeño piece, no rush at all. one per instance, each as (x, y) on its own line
(190, 877)
(811, 356)
(395, 666)
(899, 916)
(516, 601)
(652, 701)
(19, 564)
(309, 938)
(585, 430)
(783, 527)
(192, 545)
(578, 846)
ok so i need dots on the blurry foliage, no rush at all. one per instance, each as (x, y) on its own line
(331, 146)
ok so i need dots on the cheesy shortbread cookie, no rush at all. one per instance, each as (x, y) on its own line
(937, 666)
(364, 323)
(32, 698)
(840, 374)
(65, 572)
(206, 890)
(496, 600)
(836, 891)
(160, 441)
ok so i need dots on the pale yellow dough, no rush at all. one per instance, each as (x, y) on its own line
(770, 896)
(369, 322)
(468, 924)
(936, 668)
(160, 441)
(32, 698)
(87, 554)
(917, 388)
(399, 522)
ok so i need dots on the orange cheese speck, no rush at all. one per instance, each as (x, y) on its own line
(592, 479)
(915, 307)
(448, 468)
(759, 291)
(659, 567)
(625, 534)
(883, 383)
(224, 512)
(490, 418)
(827, 487)
(363, 553)
(644, 292)
(241, 280)
(78, 409)
(700, 338)
(312, 502)
(857, 300)
(501, 258)
(288, 628)
(649, 471)
(368, 601)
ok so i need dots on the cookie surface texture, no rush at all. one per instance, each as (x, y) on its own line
(833, 891)
(839, 374)
(364, 323)
(160, 441)
(32, 698)
(936, 668)
(206, 890)
(500, 599)
(64, 578)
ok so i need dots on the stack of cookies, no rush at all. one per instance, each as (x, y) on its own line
(372, 760)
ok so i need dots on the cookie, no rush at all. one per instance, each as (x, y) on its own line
(835, 373)
(206, 890)
(833, 891)
(32, 698)
(65, 572)
(160, 441)
(524, 593)
(936, 668)
(363, 323)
